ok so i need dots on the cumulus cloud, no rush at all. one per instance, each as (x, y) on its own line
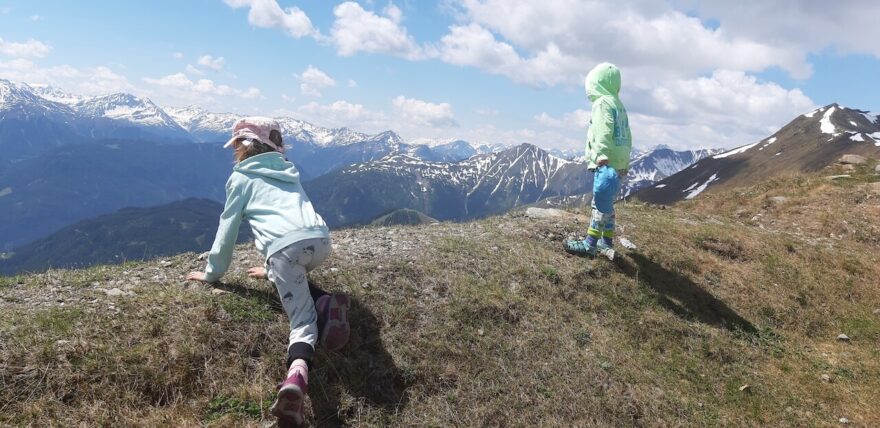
(187, 88)
(214, 63)
(98, 80)
(28, 49)
(358, 30)
(313, 81)
(193, 70)
(424, 113)
(575, 120)
(268, 14)
(809, 26)
(343, 114)
(557, 41)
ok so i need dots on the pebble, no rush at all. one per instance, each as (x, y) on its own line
(843, 338)
(826, 378)
(334, 270)
(843, 421)
(114, 292)
(218, 292)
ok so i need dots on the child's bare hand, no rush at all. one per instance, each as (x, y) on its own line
(196, 276)
(257, 273)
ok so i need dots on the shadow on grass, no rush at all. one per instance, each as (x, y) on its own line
(363, 369)
(680, 295)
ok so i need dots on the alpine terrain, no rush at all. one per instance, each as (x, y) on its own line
(810, 142)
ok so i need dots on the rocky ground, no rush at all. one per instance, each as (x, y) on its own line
(711, 317)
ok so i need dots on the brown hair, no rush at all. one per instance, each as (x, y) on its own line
(242, 152)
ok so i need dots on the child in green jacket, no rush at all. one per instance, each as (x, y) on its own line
(609, 144)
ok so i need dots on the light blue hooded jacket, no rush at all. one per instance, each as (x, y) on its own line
(265, 190)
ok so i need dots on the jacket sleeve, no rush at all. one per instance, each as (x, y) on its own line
(602, 130)
(227, 233)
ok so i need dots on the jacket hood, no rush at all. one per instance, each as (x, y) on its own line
(272, 165)
(603, 80)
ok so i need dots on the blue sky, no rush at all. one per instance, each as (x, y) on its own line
(696, 74)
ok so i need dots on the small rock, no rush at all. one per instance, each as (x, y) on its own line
(877, 169)
(849, 168)
(843, 421)
(165, 263)
(334, 270)
(852, 159)
(204, 255)
(777, 200)
(826, 378)
(843, 338)
(62, 342)
(480, 331)
(876, 311)
(745, 388)
(114, 292)
(365, 285)
(534, 212)
(627, 243)
(218, 292)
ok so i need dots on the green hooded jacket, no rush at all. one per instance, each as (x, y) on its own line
(264, 190)
(608, 136)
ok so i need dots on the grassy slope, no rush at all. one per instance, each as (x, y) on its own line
(488, 324)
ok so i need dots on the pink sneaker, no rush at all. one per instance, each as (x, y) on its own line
(288, 407)
(333, 319)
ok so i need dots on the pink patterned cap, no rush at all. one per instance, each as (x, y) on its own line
(255, 128)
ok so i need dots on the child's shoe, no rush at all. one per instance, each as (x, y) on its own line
(582, 248)
(288, 407)
(333, 318)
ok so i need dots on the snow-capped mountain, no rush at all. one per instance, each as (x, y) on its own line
(810, 142)
(482, 185)
(44, 117)
(37, 118)
(30, 123)
(649, 167)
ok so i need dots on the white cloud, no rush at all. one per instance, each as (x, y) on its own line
(177, 55)
(352, 83)
(726, 109)
(287, 98)
(487, 112)
(343, 114)
(358, 30)
(313, 81)
(803, 26)
(183, 87)
(192, 70)
(576, 120)
(424, 113)
(29, 49)
(99, 80)
(268, 14)
(214, 63)
(558, 41)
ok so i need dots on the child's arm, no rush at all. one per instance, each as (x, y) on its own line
(221, 252)
(602, 128)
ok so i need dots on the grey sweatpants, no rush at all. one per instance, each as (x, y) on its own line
(288, 269)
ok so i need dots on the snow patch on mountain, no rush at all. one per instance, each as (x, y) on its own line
(735, 151)
(699, 189)
(825, 124)
(812, 113)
